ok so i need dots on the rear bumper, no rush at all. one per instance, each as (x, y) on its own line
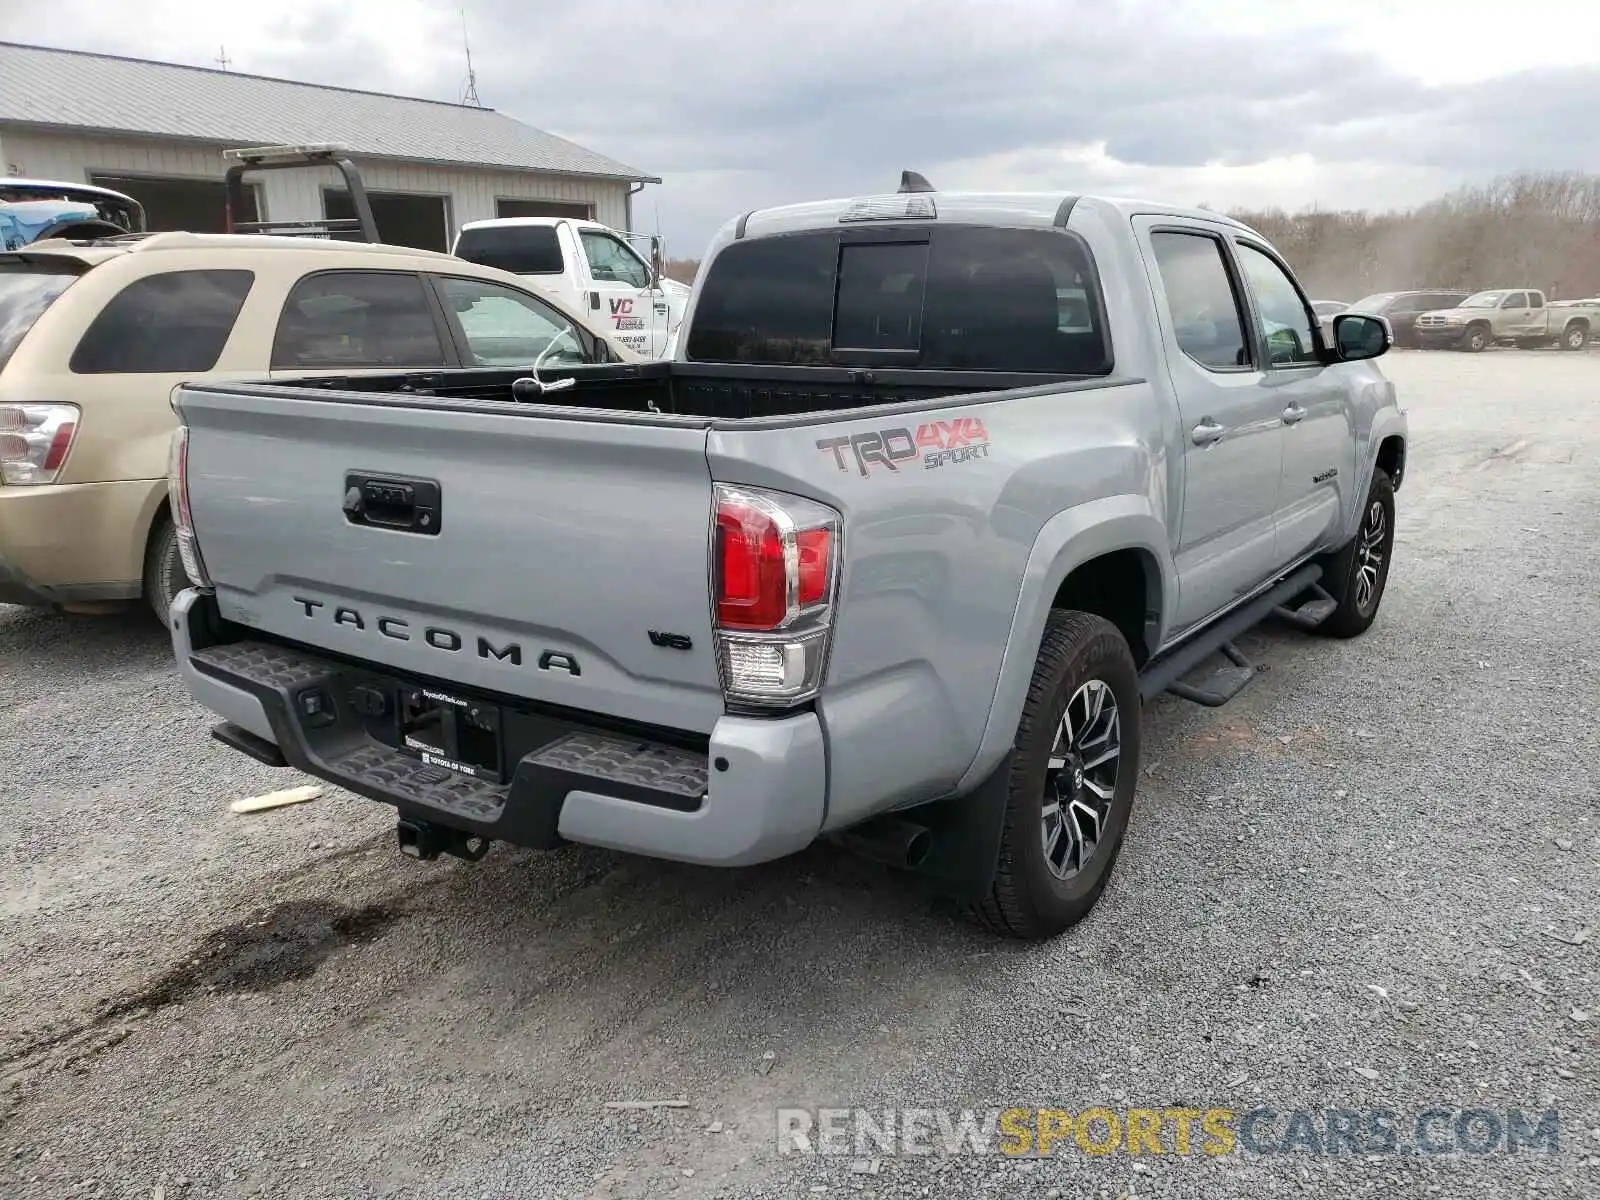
(75, 542)
(755, 792)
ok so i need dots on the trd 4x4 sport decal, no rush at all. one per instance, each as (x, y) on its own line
(939, 443)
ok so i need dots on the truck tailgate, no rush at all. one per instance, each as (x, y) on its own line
(558, 548)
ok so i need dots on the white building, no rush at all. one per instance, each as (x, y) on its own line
(157, 131)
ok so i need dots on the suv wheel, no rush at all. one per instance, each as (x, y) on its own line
(164, 576)
(1072, 780)
(1358, 574)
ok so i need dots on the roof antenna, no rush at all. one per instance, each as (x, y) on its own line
(912, 181)
(470, 96)
(222, 59)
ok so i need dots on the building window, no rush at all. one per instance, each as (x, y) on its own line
(195, 205)
(403, 219)
(543, 208)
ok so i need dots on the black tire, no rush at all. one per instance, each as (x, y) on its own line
(1575, 336)
(1031, 899)
(1476, 339)
(1358, 605)
(164, 576)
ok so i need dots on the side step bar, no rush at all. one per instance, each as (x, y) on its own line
(1312, 612)
(1163, 674)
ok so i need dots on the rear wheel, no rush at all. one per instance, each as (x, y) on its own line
(1575, 336)
(164, 576)
(1072, 780)
(1359, 573)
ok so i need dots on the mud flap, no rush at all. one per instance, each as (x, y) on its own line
(967, 830)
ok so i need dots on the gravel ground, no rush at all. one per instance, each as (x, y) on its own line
(1363, 885)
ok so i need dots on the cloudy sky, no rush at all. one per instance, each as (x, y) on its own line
(1228, 102)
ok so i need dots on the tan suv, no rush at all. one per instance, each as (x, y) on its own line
(94, 336)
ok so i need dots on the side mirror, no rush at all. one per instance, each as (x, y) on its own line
(1357, 336)
(657, 267)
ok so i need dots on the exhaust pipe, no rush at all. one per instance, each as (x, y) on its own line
(890, 840)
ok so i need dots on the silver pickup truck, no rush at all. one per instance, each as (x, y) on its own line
(938, 490)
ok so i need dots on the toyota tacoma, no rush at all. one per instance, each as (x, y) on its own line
(937, 491)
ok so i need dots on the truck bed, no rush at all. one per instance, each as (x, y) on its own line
(714, 393)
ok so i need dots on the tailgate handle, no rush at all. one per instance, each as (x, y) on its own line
(390, 502)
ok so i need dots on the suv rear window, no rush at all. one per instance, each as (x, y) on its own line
(25, 292)
(956, 298)
(521, 249)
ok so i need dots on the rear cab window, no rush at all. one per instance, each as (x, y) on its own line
(953, 298)
(520, 249)
(26, 290)
(170, 322)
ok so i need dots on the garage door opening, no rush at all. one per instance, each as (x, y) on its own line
(403, 219)
(197, 205)
(543, 208)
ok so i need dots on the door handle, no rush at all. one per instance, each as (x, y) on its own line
(1207, 431)
(1294, 414)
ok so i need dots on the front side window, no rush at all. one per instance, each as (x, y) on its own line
(612, 262)
(1206, 320)
(505, 328)
(1284, 323)
(958, 298)
(177, 321)
(343, 319)
(1515, 300)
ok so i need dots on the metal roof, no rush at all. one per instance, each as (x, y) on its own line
(101, 93)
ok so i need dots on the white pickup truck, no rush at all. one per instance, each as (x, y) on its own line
(587, 267)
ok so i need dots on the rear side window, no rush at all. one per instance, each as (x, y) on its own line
(949, 299)
(520, 249)
(25, 292)
(358, 319)
(1206, 320)
(178, 321)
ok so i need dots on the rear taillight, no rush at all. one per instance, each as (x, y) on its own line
(34, 441)
(775, 575)
(178, 501)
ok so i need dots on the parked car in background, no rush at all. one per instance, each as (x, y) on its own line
(95, 335)
(586, 267)
(34, 209)
(1401, 309)
(1514, 316)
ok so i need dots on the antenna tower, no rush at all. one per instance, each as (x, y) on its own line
(470, 95)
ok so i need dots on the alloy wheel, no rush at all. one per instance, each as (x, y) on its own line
(1369, 556)
(1081, 779)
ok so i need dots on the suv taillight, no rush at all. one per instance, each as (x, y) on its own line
(178, 501)
(775, 578)
(34, 441)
